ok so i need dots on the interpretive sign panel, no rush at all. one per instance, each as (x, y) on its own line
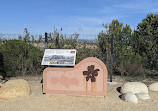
(59, 57)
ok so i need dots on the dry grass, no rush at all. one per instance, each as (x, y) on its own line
(79, 45)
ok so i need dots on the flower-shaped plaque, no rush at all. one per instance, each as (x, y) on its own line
(91, 73)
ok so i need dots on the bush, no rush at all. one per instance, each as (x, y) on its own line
(133, 79)
(19, 58)
(84, 52)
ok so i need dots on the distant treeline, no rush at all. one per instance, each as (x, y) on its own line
(135, 53)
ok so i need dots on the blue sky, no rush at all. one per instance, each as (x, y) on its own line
(81, 16)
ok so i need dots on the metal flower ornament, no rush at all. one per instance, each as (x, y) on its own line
(91, 73)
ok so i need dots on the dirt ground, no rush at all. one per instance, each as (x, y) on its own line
(39, 102)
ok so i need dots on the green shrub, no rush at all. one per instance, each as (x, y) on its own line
(84, 52)
(134, 79)
(19, 58)
(152, 74)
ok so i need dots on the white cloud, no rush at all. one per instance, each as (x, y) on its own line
(138, 6)
(89, 25)
(92, 24)
(71, 24)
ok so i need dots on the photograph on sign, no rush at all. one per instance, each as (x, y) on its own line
(59, 57)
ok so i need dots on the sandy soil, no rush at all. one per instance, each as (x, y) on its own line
(38, 102)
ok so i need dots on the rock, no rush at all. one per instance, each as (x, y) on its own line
(1, 77)
(37, 94)
(153, 87)
(1, 84)
(143, 96)
(112, 83)
(15, 89)
(130, 97)
(134, 87)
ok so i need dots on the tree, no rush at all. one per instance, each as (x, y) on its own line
(1, 35)
(20, 37)
(145, 41)
(61, 42)
(33, 38)
(27, 35)
(71, 41)
(40, 39)
(104, 44)
(124, 56)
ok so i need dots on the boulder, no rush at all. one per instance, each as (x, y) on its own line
(134, 87)
(130, 97)
(153, 87)
(143, 96)
(1, 77)
(15, 89)
(112, 83)
(1, 84)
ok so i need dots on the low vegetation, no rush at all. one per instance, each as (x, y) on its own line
(135, 53)
(19, 58)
